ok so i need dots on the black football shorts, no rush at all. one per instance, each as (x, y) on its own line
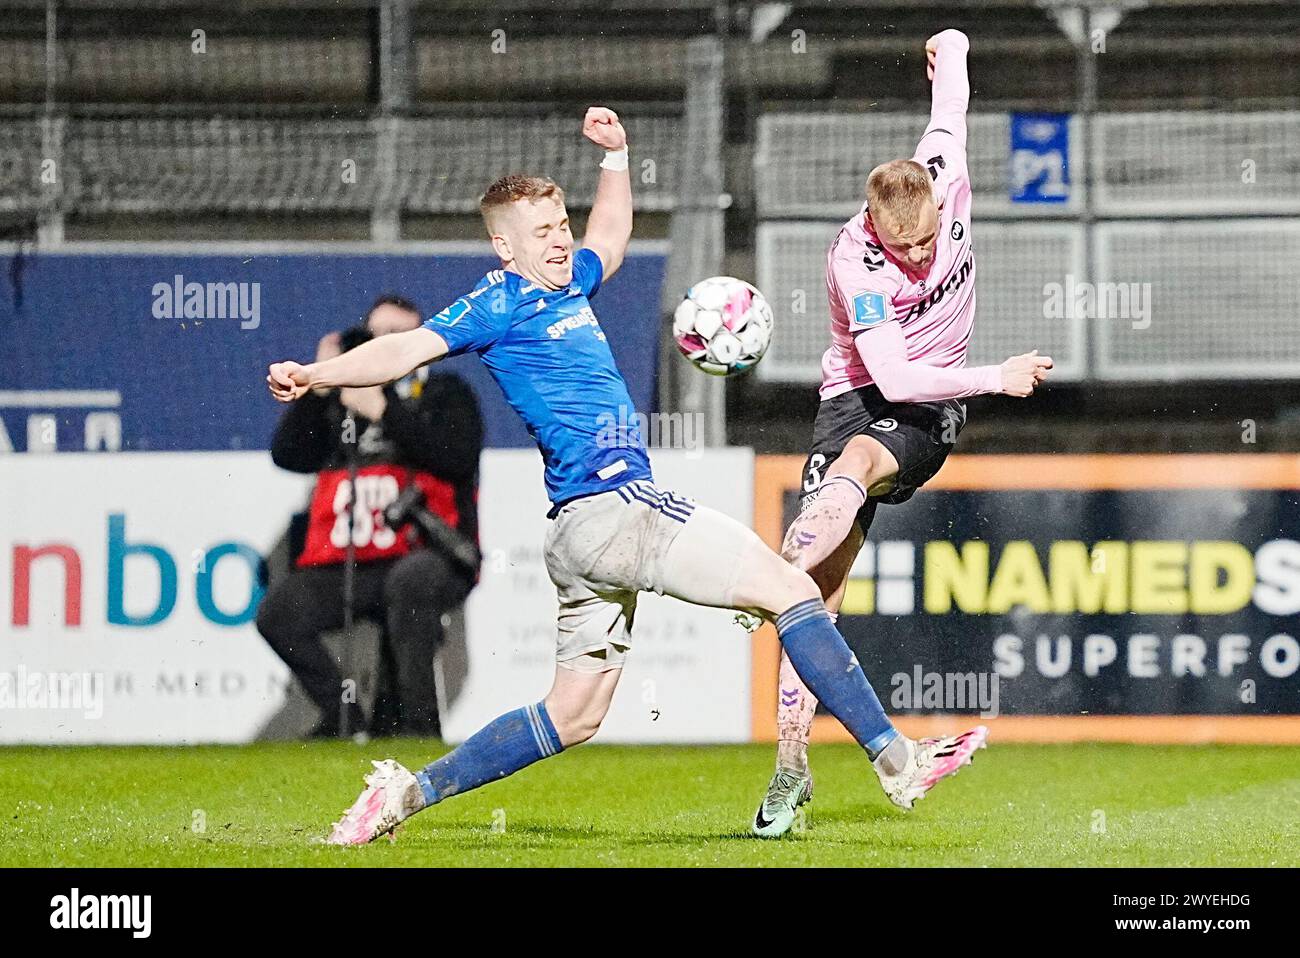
(919, 435)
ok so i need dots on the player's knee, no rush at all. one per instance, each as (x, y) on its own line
(781, 587)
(796, 586)
(800, 586)
(865, 460)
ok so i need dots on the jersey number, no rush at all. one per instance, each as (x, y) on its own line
(815, 465)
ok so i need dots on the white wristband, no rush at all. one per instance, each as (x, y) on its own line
(615, 160)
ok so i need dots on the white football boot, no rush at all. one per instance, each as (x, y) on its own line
(928, 761)
(780, 806)
(391, 796)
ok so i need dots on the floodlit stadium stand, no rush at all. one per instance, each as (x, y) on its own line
(202, 120)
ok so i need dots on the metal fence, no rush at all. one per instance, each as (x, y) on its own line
(1174, 257)
(815, 164)
(1225, 299)
(390, 108)
(230, 164)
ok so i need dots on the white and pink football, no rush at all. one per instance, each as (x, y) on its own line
(723, 326)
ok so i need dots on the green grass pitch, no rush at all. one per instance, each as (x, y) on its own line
(268, 804)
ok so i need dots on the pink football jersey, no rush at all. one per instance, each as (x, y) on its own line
(866, 287)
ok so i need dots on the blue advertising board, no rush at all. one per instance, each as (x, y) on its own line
(109, 349)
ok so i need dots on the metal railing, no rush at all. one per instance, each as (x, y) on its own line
(1173, 257)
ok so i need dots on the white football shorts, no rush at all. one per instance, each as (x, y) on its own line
(602, 550)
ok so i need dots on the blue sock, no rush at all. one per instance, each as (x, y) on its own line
(502, 747)
(827, 665)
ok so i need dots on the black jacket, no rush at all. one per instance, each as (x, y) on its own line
(440, 432)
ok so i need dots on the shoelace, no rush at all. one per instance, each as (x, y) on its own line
(786, 782)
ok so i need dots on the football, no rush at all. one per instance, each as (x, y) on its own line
(723, 326)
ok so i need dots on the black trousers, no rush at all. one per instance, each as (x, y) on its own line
(407, 596)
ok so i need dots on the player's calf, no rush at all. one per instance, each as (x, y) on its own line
(824, 522)
(796, 707)
(579, 700)
(827, 516)
(816, 649)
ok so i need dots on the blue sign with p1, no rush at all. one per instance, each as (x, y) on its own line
(1039, 171)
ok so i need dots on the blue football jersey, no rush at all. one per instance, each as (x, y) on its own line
(547, 352)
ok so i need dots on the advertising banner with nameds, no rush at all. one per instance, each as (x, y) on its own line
(1116, 597)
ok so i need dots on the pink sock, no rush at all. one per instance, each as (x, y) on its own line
(823, 523)
(795, 707)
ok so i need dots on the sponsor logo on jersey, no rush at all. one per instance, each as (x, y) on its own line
(869, 310)
(949, 287)
(583, 317)
(958, 231)
(453, 314)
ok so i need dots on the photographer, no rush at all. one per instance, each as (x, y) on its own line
(419, 441)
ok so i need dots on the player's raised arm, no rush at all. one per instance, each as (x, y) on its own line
(609, 228)
(946, 67)
(379, 361)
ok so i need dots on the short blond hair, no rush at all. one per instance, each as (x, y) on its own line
(898, 190)
(513, 188)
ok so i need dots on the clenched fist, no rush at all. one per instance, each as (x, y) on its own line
(288, 380)
(602, 127)
(1020, 374)
(956, 37)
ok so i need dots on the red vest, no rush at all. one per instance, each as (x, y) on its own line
(377, 486)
